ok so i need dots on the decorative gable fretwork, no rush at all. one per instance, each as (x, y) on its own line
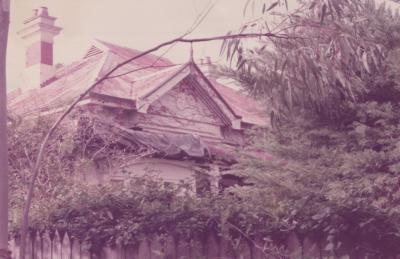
(191, 76)
(185, 102)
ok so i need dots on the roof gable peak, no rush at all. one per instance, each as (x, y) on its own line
(192, 75)
(123, 52)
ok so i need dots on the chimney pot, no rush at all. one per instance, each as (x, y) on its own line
(43, 11)
(35, 12)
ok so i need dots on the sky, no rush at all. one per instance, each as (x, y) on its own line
(139, 24)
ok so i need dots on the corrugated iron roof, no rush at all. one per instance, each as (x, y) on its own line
(126, 53)
(67, 83)
(249, 109)
(134, 87)
(131, 82)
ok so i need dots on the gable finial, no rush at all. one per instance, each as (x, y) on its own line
(191, 52)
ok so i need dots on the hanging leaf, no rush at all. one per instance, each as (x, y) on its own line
(340, 78)
(376, 60)
(243, 28)
(272, 118)
(283, 71)
(224, 44)
(331, 46)
(323, 13)
(241, 63)
(290, 93)
(246, 6)
(337, 7)
(365, 62)
(235, 49)
(272, 6)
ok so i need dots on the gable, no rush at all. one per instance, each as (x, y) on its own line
(192, 76)
(183, 102)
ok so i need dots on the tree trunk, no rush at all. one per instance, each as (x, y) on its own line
(4, 23)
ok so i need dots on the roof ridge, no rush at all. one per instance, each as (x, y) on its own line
(116, 49)
(167, 69)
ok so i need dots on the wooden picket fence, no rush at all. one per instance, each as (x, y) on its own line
(45, 246)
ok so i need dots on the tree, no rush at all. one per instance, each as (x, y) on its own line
(68, 155)
(337, 67)
(333, 94)
(4, 24)
(338, 46)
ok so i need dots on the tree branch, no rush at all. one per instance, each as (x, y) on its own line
(39, 158)
(4, 26)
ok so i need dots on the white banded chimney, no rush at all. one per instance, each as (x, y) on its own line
(38, 34)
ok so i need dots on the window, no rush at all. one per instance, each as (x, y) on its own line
(229, 180)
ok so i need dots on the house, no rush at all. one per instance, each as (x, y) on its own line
(179, 110)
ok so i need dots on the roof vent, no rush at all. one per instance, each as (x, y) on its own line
(93, 51)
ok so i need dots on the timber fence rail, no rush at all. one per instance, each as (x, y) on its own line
(62, 246)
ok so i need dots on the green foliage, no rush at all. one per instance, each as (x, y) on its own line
(80, 141)
(121, 213)
(332, 85)
(331, 53)
(336, 184)
(145, 209)
(24, 138)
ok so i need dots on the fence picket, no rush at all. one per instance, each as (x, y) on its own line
(37, 246)
(29, 247)
(14, 247)
(66, 247)
(226, 249)
(85, 254)
(144, 250)
(112, 253)
(75, 249)
(130, 252)
(170, 247)
(244, 250)
(212, 247)
(157, 248)
(56, 246)
(294, 246)
(183, 249)
(46, 246)
(196, 249)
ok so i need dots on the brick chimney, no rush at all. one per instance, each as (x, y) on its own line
(38, 34)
